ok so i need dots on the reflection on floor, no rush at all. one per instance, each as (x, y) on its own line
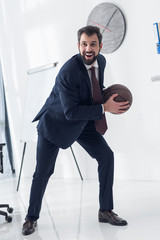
(70, 208)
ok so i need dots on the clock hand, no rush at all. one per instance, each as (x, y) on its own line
(109, 20)
(100, 26)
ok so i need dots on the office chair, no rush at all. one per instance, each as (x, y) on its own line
(9, 209)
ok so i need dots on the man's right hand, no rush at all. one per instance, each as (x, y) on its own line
(115, 107)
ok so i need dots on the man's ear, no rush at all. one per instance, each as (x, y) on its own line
(100, 46)
(78, 45)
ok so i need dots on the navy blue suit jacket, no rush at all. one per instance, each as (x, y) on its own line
(69, 106)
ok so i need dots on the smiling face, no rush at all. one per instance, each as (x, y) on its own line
(89, 48)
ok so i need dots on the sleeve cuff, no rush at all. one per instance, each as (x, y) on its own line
(102, 109)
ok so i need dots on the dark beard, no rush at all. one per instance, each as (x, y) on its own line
(88, 61)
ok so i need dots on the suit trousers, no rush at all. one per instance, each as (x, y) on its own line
(47, 152)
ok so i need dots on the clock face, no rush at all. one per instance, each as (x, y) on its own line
(111, 22)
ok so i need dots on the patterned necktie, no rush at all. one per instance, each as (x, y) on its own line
(101, 125)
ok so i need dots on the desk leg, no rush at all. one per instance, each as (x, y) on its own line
(24, 149)
(76, 163)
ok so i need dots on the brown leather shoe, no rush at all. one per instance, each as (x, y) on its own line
(112, 218)
(28, 227)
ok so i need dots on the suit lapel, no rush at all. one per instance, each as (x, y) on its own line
(85, 73)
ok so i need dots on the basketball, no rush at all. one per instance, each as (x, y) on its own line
(124, 93)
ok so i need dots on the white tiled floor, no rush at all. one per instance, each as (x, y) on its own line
(70, 209)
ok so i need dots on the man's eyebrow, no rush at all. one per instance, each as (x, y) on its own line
(94, 41)
(91, 42)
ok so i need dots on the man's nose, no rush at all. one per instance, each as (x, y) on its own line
(88, 48)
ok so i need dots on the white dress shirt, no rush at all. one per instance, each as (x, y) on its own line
(97, 75)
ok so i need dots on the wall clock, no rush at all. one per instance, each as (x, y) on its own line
(109, 18)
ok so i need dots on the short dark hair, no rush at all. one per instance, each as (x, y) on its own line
(90, 30)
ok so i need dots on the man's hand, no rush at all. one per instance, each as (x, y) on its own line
(115, 107)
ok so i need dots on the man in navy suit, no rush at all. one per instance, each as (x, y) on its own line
(69, 115)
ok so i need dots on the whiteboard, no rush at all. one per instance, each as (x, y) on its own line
(39, 85)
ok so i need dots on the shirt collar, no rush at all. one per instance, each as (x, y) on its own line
(89, 66)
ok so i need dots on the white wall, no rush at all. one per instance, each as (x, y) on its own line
(35, 33)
